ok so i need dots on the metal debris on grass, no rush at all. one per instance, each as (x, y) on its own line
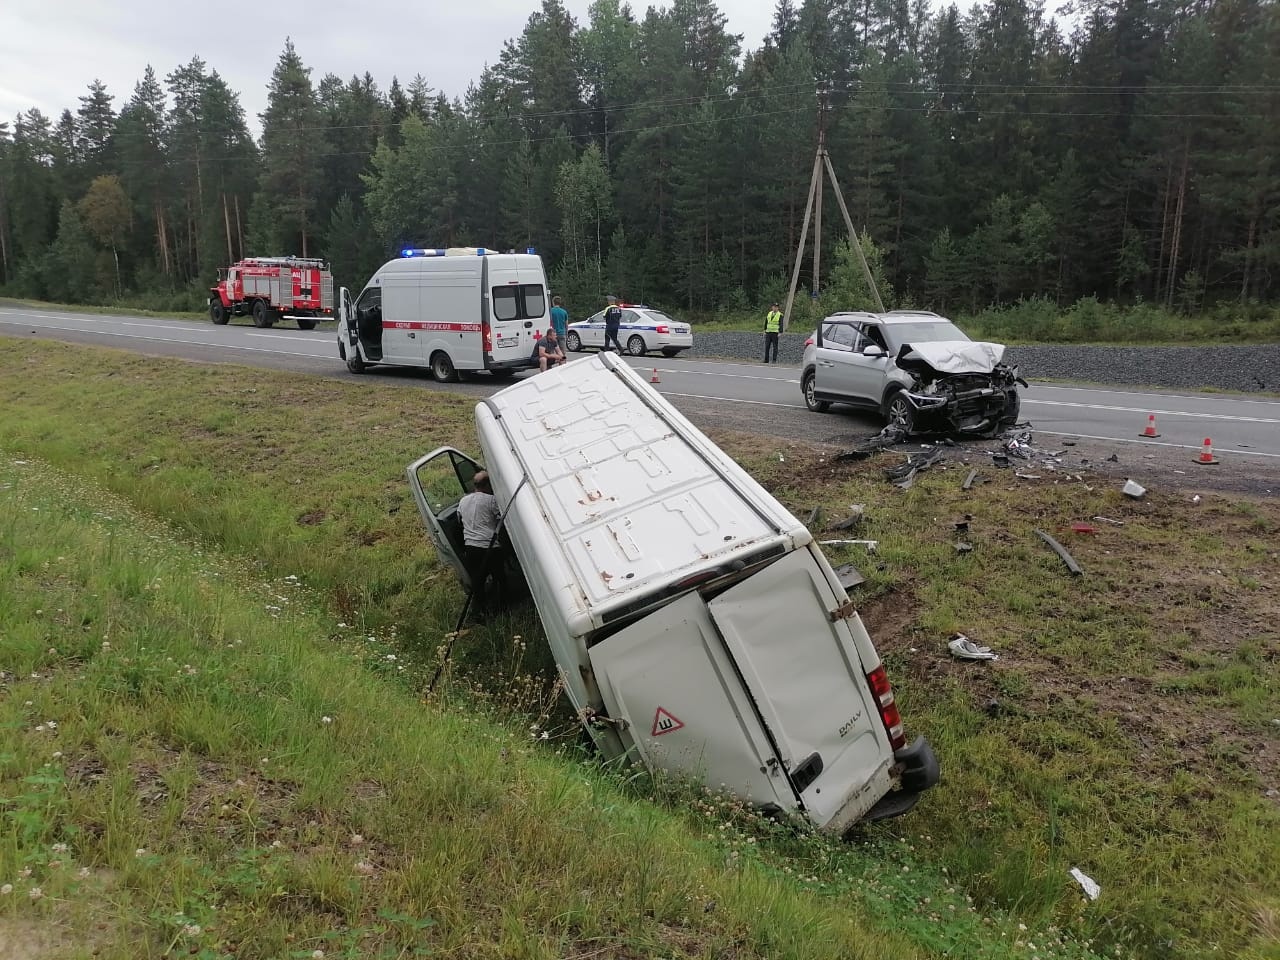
(871, 545)
(965, 649)
(1133, 490)
(1087, 883)
(1117, 523)
(1061, 551)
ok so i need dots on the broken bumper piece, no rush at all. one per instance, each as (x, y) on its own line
(971, 412)
(919, 771)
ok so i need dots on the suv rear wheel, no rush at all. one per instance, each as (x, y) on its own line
(811, 400)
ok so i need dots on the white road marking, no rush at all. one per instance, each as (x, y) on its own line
(1163, 413)
(1226, 397)
(189, 343)
(1157, 443)
(762, 403)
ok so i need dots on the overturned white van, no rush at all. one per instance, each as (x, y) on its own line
(698, 627)
(449, 310)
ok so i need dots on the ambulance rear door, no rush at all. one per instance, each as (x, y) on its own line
(518, 309)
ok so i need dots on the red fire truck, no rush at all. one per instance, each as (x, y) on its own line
(273, 288)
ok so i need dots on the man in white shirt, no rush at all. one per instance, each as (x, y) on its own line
(481, 554)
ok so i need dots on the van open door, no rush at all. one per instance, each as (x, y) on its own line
(439, 480)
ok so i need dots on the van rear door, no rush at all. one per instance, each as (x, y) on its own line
(669, 683)
(518, 308)
(787, 633)
(439, 480)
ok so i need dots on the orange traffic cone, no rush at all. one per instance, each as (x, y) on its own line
(1151, 427)
(654, 378)
(1206, 453)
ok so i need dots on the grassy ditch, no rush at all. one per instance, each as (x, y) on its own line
(1126, 729)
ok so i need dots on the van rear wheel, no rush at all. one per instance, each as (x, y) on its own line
(442, 367)
(355, 362)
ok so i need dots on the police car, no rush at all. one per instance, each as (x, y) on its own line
(643, 330)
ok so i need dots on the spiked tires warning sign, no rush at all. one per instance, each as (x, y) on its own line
(664, 722)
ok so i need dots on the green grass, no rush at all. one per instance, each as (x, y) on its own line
(1126, 729)
(199, 762)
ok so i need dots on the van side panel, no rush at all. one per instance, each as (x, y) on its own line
(450, 310)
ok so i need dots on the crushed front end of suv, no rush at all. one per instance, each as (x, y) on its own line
(917, 369)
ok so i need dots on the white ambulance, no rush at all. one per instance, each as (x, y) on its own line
(697, 625)
(450, 310)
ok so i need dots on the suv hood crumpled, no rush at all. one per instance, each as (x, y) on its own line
(950, 357)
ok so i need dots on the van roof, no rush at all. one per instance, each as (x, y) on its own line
(636, 498)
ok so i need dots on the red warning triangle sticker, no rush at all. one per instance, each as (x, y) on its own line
(665, 722)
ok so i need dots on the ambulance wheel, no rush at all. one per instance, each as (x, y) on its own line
(261, 315)
(442, 368)
(635, 346)
(218, 313)
(573, 341)
(306, 323)
(355, 363)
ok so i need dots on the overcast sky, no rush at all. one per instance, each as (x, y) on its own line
(50, 50)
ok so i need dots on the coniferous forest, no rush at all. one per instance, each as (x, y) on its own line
(1124, 150)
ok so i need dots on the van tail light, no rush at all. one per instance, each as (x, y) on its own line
(808, 341)
(882, 690)
(663, 328)
(487, 335)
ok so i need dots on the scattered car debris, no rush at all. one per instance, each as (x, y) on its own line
(871, 545)
(904, 474)
(849, 576)
(814, 514)
(1134, 490)
(851, 521)
(1026, 476)
(963, 547)
(1083, 528)
(968, 481)
(1087, 883)
(1000, 459)
(1061, 551)
(1068, 443)
(965, 649)
(1113, 459)
(891, 435)
(1196, 498)
(962, 526)
(1118, 523)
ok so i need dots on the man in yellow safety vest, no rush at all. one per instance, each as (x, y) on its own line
(772, 327)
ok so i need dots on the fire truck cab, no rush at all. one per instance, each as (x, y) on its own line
(273, 288)
(450, 310)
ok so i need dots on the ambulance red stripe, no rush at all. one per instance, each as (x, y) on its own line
(421, 325)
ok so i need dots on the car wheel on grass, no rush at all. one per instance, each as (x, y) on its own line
(809, 386)
(635, 346)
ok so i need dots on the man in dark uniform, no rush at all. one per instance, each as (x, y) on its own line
(612, 323)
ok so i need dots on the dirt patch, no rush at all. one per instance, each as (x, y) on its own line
(311, 518)
(1193, 587)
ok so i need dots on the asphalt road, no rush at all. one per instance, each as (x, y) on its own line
(750, 397)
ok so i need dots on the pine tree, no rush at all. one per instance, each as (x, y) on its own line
(291, 149)
(94, 127)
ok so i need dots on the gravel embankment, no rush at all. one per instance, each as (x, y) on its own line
(1248, 368)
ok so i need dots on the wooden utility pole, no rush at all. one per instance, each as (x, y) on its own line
(813, 207)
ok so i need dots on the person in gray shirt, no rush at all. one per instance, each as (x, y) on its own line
(481, 553)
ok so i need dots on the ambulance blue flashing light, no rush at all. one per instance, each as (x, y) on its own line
(531, 250)
(436, 252)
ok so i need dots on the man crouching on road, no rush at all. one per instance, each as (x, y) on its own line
(482, 555)
(549, 352)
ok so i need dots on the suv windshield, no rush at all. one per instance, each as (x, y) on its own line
(923, 332)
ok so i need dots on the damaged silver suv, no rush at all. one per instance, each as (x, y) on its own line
(916, 368)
